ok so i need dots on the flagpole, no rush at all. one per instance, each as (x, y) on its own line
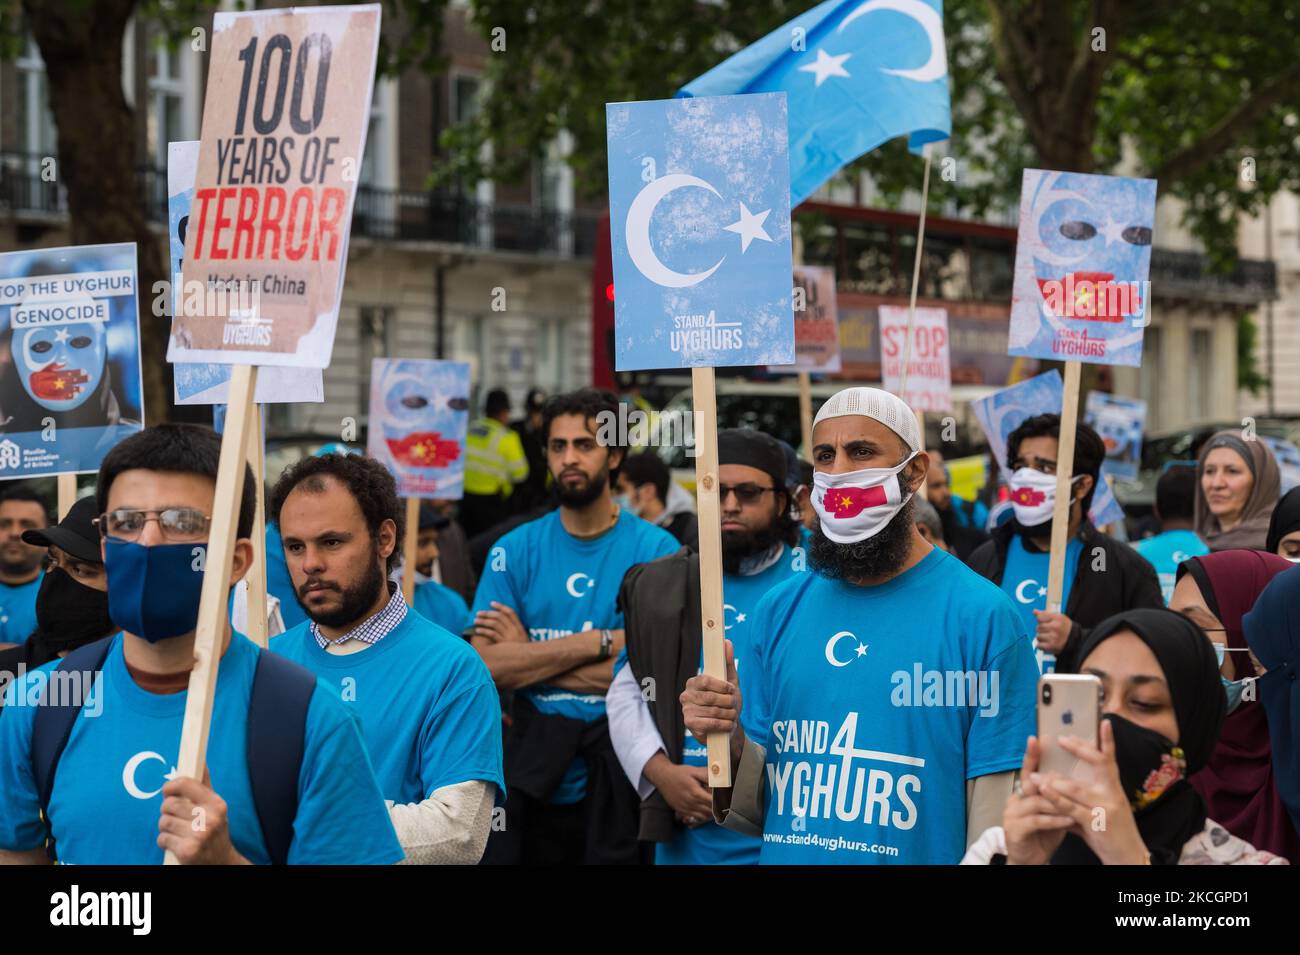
(911, 305)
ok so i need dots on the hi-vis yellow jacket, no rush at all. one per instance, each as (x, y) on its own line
(494, 458)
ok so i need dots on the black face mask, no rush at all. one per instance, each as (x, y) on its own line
(69, 614)
(1149, 764)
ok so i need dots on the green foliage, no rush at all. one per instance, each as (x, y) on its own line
(1249, 376)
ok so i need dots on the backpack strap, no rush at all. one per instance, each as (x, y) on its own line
(277, 724)
(53, 722)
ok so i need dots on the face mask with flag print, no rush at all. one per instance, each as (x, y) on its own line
(856, 505)
(1033, 496)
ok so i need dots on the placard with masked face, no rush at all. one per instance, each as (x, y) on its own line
(419, 415)
(1119, 422)
(1002, 412)
(69, 357)
(1083, 258)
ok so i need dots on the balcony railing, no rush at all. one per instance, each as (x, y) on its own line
(382, 214)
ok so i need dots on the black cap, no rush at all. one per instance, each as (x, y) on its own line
(754, 449)
(431, 517)
(75, 534)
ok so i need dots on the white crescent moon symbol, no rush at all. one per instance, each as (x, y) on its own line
(573, 579)
(638, 232)
(830, 649)
(1020, 591)
(937, 66)
(1043, 201)
(128, 775)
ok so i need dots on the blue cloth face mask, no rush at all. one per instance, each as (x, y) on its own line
(153, 592)
(1232, 689)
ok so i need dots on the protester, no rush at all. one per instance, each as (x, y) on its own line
(1103, 576)
(887, 695)
(453, 566)
(278, 584)
(547, 625)
(533, 490)
(21, 510)
(803, 500)
(1238, 782)
(1175, 498)
(963, 521)
(494, 464)
(72, 603)
(1284, 527)
(1162, 708)
(929, 524)
(110, 801)
(426, 703)
(1238, 483)
(434, 601)
(643, 488)
(661, 603)
(1272, 630)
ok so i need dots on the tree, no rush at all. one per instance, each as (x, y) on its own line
(1200, 94)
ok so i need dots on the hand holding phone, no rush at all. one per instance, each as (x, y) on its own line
(1069, 704)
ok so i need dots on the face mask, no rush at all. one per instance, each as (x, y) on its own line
(1232, 689)
(153, 592)
(1033, 496)
(856, 505)
(624, 501)
(1148, 763)
(70, 614)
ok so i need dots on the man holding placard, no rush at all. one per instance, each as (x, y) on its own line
(288, 776)
(547, 624)
(1102, 577)
(890, 691)
(425, 700)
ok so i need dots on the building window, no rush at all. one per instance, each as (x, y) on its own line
(1199, 385)
(173, 100)
(37, 135)
(377, 332)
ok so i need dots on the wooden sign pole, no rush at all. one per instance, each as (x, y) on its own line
(67, 493)
(1064, 474)
(911, 310)
(257, 623)
(211, 628)
(805, 413)
(709, 508)
(408, 549)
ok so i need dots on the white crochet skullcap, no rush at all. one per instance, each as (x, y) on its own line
(890, 410)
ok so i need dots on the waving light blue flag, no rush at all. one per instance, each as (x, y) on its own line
(856, 73)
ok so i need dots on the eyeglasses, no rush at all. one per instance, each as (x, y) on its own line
(745, 493)
(180, 524)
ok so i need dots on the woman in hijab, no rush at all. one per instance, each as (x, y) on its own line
(1239, 784)
(1162, 708)
(1284, 527)
(1273, 632)
(1238, 483)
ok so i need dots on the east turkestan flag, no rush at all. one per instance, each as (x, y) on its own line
(856, 74)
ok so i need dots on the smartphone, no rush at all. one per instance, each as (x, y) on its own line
(1068, 705)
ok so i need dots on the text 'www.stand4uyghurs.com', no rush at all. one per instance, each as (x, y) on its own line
(829, 843)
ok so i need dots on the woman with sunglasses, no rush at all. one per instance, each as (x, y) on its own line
(1238, 782)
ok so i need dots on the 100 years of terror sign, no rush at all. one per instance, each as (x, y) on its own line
(284, 129)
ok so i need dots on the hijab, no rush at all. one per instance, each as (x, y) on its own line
(1239, 784)
(1252, 529)
(1285, 520)
(1273, 632)
(1169, 816)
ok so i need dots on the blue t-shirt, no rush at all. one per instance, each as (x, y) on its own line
(440, 604)
(876, 704)
(1024, 579)
(18, 610)
(428, 708)
(979, 514)
(710, 844)
(107, 795)
(278, 581)
(1166, 551)
(559, 584)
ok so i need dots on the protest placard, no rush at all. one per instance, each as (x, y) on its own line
(206, 383)
(419, 413)
(928, 385)
(700, 240)
(284, 130)
(1119, 421)
(69, 357)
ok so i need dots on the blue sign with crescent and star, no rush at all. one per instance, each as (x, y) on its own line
(699, 199)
